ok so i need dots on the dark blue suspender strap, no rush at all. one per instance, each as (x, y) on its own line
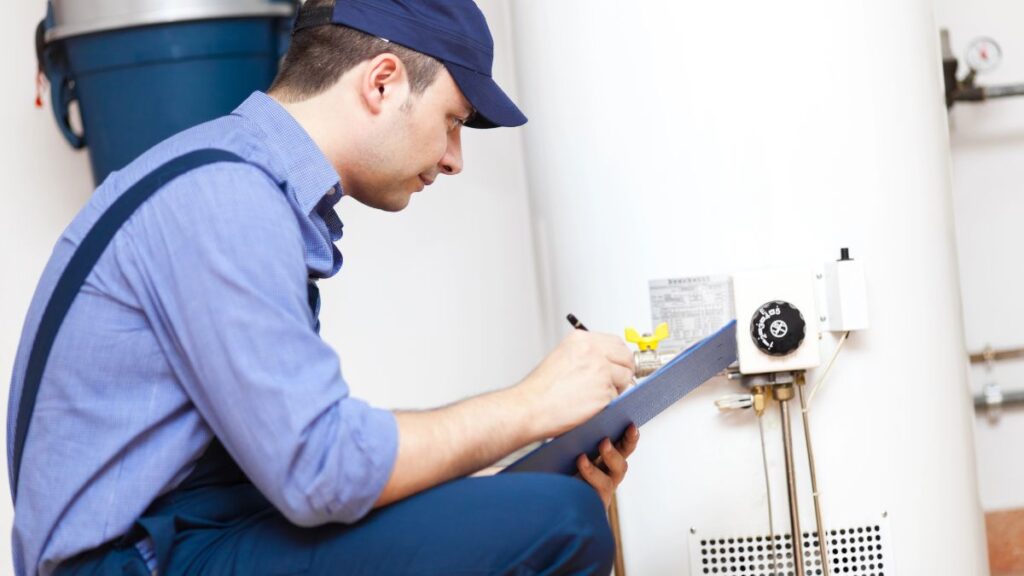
(78, 269)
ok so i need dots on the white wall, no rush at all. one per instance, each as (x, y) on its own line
(988, 189)
(45, 183)
(433, 304)
(440, 301)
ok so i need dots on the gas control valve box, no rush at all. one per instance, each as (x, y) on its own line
(776, 320)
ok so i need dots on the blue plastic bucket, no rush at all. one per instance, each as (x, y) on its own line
(137, 86)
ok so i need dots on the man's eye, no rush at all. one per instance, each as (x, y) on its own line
(456, 123)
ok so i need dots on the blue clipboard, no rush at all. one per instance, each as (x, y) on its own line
(638, 405)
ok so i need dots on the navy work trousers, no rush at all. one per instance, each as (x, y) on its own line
(522, 524)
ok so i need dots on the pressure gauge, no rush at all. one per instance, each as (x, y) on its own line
(983, 54)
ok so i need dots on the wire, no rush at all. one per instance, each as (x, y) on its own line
(828, 367)
(768, 490)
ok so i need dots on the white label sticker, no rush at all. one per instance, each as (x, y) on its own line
(694, 307)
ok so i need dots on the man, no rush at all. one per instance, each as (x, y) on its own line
(191, 420)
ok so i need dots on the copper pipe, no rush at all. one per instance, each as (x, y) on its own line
(613, 520)
(992, 355)
(783, 395)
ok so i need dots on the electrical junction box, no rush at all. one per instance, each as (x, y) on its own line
(844, 291)
(776, 320)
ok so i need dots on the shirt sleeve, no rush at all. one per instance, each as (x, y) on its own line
(222, 262)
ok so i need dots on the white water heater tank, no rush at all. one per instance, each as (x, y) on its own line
(691, 138)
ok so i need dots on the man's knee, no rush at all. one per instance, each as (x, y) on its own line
(576, 537)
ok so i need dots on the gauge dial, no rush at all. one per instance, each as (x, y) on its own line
(983, 54)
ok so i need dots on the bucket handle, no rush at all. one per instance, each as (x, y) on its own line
(63, 93)
(53, 62)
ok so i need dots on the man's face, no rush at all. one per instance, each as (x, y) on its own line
(415, 139)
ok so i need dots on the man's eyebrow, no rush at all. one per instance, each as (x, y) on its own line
(470, 114)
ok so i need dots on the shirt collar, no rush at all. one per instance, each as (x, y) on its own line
(308, 172)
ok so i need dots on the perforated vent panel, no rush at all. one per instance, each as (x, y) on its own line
(852, 551)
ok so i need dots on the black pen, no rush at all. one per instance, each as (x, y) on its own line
(576, 323)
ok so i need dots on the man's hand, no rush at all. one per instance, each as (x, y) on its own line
(609, 470)
(580, 377)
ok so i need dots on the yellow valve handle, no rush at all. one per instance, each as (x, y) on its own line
(648, 341)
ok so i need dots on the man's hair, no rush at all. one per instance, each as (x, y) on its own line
(319, 56)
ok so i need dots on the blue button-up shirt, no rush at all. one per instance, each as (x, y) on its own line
(195, 322)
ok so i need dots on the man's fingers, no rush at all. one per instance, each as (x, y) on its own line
(616, 351)
(596, 478)
(627, 444)
(614, 461)
(621, 377)
(610, 467)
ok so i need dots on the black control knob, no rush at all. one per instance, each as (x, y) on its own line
(778, 328)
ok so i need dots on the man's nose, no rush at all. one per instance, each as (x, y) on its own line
(451, 162)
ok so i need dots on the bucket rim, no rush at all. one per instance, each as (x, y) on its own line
(167, 15)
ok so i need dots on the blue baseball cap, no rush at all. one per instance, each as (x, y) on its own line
(452, 31)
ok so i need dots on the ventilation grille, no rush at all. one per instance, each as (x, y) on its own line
(857, 551)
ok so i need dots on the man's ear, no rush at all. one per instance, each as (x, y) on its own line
(384, 82)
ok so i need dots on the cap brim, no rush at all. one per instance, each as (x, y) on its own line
(493, 107)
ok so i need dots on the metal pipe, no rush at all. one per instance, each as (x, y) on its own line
(1008, 398)
(1003, 91)
(768, 491)
(822, 546)
(783, 395)
(649, 361)
(992, 355)
(968, 92)
(613, 520)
